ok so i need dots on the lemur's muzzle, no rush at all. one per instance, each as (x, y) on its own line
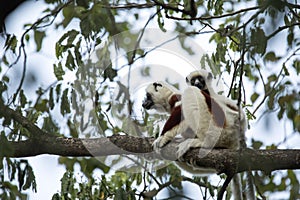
(148, 102)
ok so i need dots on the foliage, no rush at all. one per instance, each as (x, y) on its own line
(245, 35)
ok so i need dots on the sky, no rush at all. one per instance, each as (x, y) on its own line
(48, 172)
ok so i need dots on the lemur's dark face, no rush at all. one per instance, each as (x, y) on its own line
(198, 81)
(148, 102)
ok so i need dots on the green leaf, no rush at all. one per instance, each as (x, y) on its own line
(42, 105)
(58, 91)
(65, 105)
(160, 21)
(254, 97)
(271, 56)
(296, 65)
(286, 71)
(120, 194)
(30, 179)
(290, 37)
(11, 43)
(272, 77)
(110, 73)
(259, 41)
(5, 79)
(296, 122)
(68, 13)
(38, 38)
(23, 99)
(70, 64)
(51, 99)
(286, 20)
(50, 126)
(58, 71)
(72, 34)
(256, 144)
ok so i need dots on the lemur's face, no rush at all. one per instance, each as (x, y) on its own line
(158, 95)
(153, 92)
(199, 79)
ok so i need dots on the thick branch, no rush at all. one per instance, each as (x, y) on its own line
(223, 160)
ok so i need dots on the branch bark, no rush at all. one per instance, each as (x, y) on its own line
(223, 160)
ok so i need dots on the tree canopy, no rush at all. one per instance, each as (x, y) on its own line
(87, 109)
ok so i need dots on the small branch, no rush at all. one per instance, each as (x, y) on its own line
(130, 6)
(281, 28)
(219, 16)
(267, 93)
(242, 134)
(9, 113)
(224, 186)
(200, 184)
(24, 70)
(296, 6)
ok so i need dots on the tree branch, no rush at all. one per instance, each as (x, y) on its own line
(9, 113)
(223, 160)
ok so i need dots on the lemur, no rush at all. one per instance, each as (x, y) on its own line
(165, 98)
(224, 111)
(213, 119)
(197, 112)
(202, 80)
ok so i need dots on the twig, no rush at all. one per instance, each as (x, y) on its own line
(281, 28)
(233, 76)
(219, 16)
(8, 113)
(224, 186)
(130, 6)
(267, 93)
(184, 178)
(242, 134)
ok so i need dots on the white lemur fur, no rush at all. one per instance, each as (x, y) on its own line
(165, 98)
(202, 80)
(213, 119)
(212, 122)
(235, 119)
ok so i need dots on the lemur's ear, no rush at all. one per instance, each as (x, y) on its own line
(209, 76)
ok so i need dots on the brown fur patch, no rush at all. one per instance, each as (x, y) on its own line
(175, 118)
(215, 109)
(174, 98)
